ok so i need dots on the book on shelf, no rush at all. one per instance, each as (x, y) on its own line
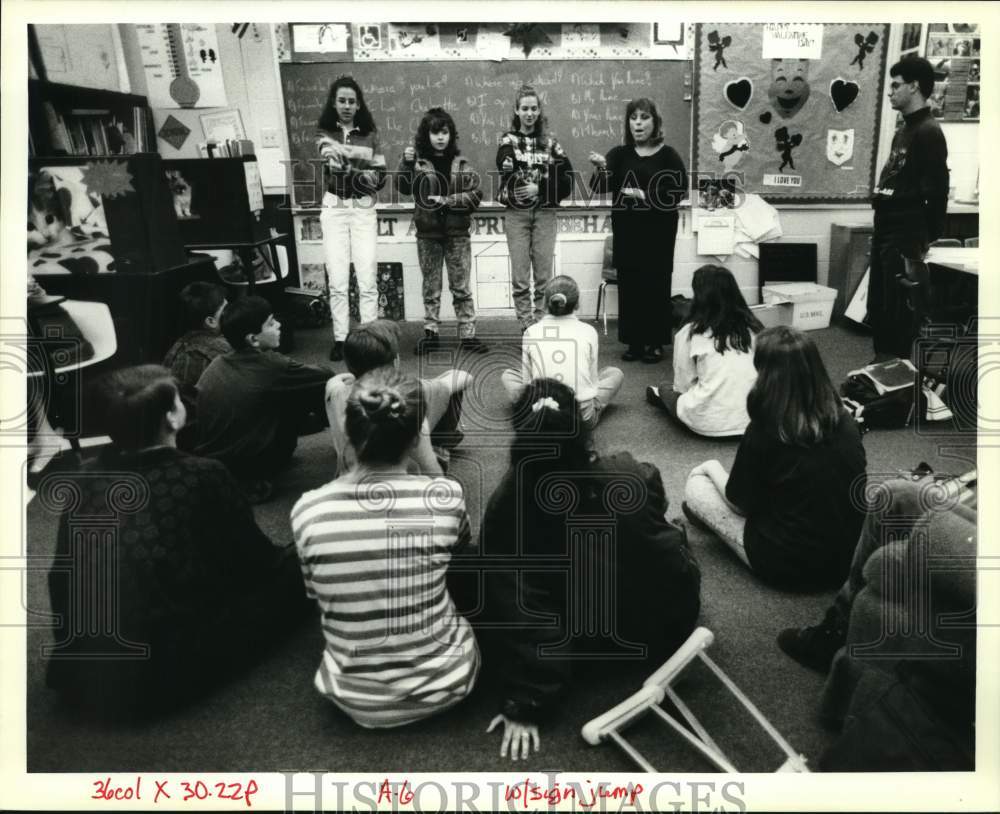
(99, 131)
(227, 148)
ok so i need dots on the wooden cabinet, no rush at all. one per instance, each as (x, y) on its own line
(850, 251)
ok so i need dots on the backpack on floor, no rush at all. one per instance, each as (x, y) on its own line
(882, 396)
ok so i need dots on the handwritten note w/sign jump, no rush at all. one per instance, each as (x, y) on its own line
(792, 41)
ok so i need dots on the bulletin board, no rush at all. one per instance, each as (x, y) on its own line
(799, 128)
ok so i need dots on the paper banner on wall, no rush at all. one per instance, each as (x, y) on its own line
(415, 41)
(321, 39)
(492, 44)
(182, 64)
(792, 41)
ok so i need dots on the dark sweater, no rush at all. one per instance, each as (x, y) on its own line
(655, 577)
(914, 180)
(247, 404)
(804, 505)
(194, 580)
(542, 161)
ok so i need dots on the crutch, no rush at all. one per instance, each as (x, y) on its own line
(609, 725)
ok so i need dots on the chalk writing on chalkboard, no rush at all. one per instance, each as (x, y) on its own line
(584, 102)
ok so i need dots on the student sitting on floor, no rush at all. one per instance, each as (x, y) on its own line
(374, 345)
(899, 641)
(180, 587)
(252, 402)
(713, 359)
(202, 305)
(639, 576)
(396, 648)
(790, 509)
(560, 346)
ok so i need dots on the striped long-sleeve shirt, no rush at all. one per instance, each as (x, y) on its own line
(374, 556)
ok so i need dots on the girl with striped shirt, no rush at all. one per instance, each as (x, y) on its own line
(375, 546)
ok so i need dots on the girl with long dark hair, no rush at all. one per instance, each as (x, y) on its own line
(630, 566)
(353, 172)
(713, 358)
(792, 508)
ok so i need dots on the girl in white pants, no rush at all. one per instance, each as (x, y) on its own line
(354, 172)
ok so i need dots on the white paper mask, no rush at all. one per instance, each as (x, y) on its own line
(839, 146)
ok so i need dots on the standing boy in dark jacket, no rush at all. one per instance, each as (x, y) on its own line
(910, 203)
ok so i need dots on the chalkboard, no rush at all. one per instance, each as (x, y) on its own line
(584, 101)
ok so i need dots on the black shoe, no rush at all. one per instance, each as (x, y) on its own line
(815, 647)
(337, 352)
(430, 343)
(632, 354)
(473, 344)
(653, 395)
(694, 520)
(653, 355)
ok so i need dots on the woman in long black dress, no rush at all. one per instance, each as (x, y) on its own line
(647, 180)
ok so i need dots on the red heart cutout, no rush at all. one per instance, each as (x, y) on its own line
(843, 92)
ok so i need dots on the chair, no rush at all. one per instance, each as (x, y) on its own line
(609, 276)
(657, 687)
(972, 243)
(98, 328)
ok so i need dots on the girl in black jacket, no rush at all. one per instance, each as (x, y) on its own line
(568, 521)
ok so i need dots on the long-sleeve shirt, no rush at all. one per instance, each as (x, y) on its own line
(191, 355)
(375, 557)
(914, 179)
(562, 348)
(639, 560)
(541, 161)
(364, 171)
(245, 398)
(713, 386)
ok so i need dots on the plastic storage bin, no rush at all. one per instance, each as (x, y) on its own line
(812, 305)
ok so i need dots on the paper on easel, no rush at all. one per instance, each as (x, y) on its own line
(715, 235)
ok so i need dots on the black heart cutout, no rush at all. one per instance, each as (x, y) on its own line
(738, 92)
(843, 93)
(765, 117)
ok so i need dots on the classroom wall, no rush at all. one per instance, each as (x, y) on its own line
(250, 74)
(253, 87)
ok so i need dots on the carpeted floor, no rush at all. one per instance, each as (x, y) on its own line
(271, 718)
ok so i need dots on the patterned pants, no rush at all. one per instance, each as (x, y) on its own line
(456, 254)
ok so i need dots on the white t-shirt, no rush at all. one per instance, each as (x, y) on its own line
(562, 348)
(713, 385)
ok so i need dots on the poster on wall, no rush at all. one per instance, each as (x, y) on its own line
(182, 64)
(789, 127)
(954, 51)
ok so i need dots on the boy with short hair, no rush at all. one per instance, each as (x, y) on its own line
(251, 401)
(201, 308)
(374, 345)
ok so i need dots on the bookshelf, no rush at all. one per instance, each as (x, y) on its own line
(66, 120)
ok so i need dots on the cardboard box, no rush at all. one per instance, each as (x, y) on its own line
(812, 305)
(773, 314)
